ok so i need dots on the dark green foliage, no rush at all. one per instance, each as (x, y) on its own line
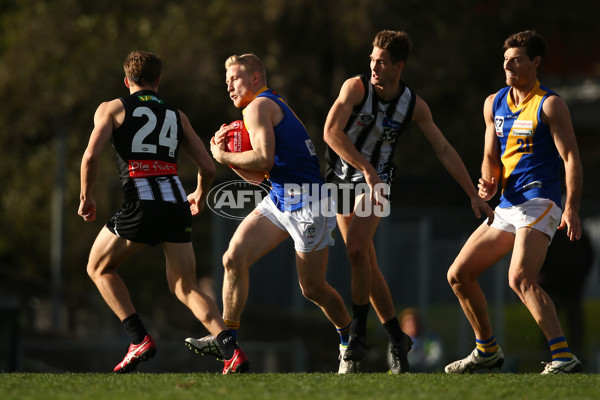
(60, 59)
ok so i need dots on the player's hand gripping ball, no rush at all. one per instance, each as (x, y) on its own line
(238, 139)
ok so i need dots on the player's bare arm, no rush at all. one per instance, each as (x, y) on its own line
(251, 176)
(491, 167)
(449, 157)
(218, 145)
(258, 118)
(108, 117)
(193, 146)
(351, 94)
(555, 114)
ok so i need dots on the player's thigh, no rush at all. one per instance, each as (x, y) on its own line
(254, 237)
(343, 223)
(361, 229)
(109, 251)
(180, 262)
(485, 247)
(311, 267)
(529, 253)
(358, 227)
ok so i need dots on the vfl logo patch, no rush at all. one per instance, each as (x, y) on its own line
(499, 125)
(311, 231)
(364, 119)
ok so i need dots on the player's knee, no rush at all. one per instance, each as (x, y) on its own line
(456, 277)
(520, 283)
(453, 276)
(313, 292)
(94, 270)
(91, 271)
(233, 261)
(357, 252)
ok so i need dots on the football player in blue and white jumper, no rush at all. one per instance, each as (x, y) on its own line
(528, 136)
(283, 153)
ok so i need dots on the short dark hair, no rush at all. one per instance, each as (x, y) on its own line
(396, 43)
(142, 67)
(534, 43)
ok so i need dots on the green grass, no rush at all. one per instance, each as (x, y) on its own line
(302, 386)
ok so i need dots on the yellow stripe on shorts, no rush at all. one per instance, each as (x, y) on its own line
(540, 217)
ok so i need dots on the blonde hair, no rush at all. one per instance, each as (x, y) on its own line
(249, 63)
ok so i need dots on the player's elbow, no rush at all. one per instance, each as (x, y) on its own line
(328, 136)
(266, 163)
(573, 164)
(89, 158)
(208, 170)
(446, 153)
(255, 178)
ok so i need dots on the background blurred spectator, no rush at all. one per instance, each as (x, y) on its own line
(427, 354)
(563, 277)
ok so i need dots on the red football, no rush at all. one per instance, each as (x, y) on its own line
(238, 140)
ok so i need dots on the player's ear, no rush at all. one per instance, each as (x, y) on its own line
(256, 78)
(537, 60)
(126, 81)
(400, 66)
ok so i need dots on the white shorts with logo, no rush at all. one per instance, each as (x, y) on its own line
(310, 232)
(540, 214)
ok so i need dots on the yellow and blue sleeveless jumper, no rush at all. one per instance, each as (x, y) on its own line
(530, 160)
(296, 160)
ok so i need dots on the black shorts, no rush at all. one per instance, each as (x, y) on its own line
(153, 222)
(345, 197)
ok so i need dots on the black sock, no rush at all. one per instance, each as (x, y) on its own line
(227, 343)
(135, 328)
(393, 330)
(359, 320)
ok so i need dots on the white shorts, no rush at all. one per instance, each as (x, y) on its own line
(310, 232)
(541, 214)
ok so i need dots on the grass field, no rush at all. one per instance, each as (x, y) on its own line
(304, 386)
